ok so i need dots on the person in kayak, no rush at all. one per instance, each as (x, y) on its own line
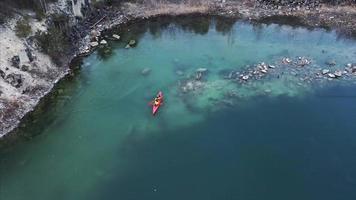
(157, 100)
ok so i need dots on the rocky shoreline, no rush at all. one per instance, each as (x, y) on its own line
(341, 18)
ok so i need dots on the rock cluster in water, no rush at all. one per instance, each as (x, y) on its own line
(300, 70)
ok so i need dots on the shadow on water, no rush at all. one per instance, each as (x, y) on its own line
(246, 153)
(35, 122)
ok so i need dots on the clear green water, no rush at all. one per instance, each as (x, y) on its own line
(98, 140)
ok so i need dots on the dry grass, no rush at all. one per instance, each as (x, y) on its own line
(164, 7)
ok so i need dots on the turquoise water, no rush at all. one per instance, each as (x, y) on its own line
(273, 138)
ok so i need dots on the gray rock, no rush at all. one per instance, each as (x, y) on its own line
(116, 37)
(325, 71)
(202, 70)
(146, 71)
(103, 42)
(94, 34)
(198, 76)
(25, 68)
(353, 69)
(245, 77)
(2, 74)
(338, 73)
(29, 55)
(94, 44)
(271, 66)
(127, 46)
(15, 80)
(132, 43)
(330, 75)
(264, 71)
(15, 61)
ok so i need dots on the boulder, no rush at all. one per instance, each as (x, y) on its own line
(201, 70)
(271, 66)
(29, 55)
(264, 71)
(15, 80)
(103, 42)
(94, 34)
(303, 61)
(198, 76)
(330, 75)
(325, 71)
(15, 61)
(2, 74)
(25, 68)
(146, 71)
(94, 44)
(132, 43)
(116, 37)
(338, 74)
(353, 69)
(245, 77)
(127, 46)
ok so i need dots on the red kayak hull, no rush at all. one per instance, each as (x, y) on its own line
(156, 107)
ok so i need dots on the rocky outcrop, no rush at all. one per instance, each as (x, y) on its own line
(16, 80)
(15, 61)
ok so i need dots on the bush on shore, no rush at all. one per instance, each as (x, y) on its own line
(55, 42)
(23, 28)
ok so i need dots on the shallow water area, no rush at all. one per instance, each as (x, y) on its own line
(285, 134)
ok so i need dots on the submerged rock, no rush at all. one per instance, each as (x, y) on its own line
(331, 62)
(179, 72)
(353, 69)
(146, 71)
(286, 60)
(302, 61)
(330, 75)
(198, 76)
(338, 73)
(202, 70)
(325, 71)
(132, 43)
(245, 77)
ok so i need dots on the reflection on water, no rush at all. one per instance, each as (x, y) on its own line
(284, 134)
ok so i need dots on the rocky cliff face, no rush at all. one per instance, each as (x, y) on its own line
(26, 73)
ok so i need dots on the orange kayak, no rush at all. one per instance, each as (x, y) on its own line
(156, 105)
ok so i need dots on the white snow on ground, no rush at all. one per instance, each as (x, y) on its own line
(12, 45)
